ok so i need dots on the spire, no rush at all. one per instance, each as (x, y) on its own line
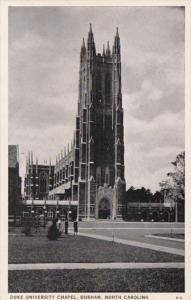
(49, 166)
(74, 139)
(116, 46)
(36, 165)
(83, 49)
(108, 52)
(90, 27)
(103, 50)
(27, 164)
(117, 32)
(31, 157)
(31, 161)
(90, 43)
(83, 43)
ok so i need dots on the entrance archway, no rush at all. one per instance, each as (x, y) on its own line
(104, 210)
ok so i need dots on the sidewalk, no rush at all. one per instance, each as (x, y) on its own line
(135, 243)
(165, 238)
(89, 266)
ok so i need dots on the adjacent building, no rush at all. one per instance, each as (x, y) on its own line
(39, 179)
(14, 181)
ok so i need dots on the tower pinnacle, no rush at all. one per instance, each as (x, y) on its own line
(108, 52)
(90, 27)
(116, 46)
(117, 32)
(90, 43)
(103, 50)
(83, 49)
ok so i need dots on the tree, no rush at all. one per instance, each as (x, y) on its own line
(141, 195)
(174, 186)
(178, 177)
(158, 197)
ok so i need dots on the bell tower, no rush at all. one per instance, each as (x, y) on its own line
(99, 144)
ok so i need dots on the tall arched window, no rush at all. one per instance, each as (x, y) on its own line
(98, 176)
(43, 182)
(99, 88)
(107, 88)
(107, 175)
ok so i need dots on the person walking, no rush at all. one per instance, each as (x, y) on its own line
(75, 227)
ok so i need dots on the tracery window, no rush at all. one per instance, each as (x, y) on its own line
(43, 182)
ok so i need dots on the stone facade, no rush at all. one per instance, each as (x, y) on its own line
(39, 179)
(92, 172)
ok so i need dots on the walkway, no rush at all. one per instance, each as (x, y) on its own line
(165, 238)
(136, 244)
(89, 266)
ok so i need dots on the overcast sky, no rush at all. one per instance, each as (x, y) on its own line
(44, 54)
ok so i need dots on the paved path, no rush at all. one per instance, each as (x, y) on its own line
(129, 228)
(135, 231)
(165, 238)
(114, 265)
(136, 244)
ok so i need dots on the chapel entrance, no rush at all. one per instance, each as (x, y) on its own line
(104, 211)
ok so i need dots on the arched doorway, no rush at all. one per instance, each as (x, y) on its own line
(104, 211)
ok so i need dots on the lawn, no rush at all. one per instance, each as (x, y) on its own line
(38, 249)
(147, 280)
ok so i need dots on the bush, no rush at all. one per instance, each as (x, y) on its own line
(26, 230)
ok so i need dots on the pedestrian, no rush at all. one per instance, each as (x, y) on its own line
(58, 224)
(53, 232)
(66, 226)
(36, 223)
(75, 227)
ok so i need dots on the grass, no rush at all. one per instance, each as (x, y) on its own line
(147, 280)
(171, 235)
(38, 249)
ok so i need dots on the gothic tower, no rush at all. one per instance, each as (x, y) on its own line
(98, 143)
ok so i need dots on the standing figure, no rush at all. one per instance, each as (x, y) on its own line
(66, 226)
(75, 227)
(58, 224)
(53, 232)
(36, 223)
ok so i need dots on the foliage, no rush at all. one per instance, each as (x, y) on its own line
(143, 195)
(27, 230)
(174, 186)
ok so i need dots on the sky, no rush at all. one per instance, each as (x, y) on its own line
(44, 57)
